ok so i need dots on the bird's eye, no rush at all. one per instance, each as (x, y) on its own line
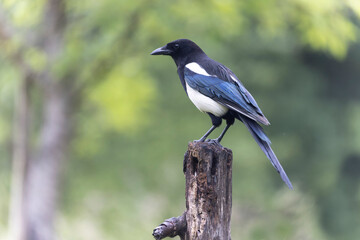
(176, 46)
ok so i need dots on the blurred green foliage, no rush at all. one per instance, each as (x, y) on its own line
(298, 58)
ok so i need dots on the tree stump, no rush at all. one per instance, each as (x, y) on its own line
(208, 173)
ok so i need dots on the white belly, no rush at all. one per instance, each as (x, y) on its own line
(204, 103)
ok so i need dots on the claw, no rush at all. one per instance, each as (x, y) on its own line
(214, 141)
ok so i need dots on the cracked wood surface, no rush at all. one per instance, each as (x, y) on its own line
(208, 173)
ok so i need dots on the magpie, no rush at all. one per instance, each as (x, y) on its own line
(214, 89)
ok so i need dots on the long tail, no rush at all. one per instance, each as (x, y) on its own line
(264, 142)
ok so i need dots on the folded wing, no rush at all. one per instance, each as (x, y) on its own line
(226, 90)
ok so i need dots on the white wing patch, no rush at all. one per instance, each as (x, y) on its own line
(204, 103)
(196, 68)
(233, 78)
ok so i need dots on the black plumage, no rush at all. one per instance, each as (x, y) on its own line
(215, 89)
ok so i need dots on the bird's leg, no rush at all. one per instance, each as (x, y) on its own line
(206, 134)
(216, 121)
(229, 121)
(223, 133)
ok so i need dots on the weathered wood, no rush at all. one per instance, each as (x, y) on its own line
(208, 191)
(172, 227)
(208, 173)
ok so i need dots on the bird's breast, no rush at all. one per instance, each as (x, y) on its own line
(204, 103)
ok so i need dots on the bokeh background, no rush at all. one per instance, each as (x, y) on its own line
(93, 129)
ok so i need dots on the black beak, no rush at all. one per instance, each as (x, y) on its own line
(161, 51)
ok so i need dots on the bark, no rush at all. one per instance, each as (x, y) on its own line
(175, 226)
(208, 173)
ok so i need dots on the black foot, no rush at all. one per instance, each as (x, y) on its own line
(214, 141)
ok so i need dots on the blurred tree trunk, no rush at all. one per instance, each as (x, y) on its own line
(35, 182)
(37, 171)
(44, 174)
(20, 160)
(37, 166)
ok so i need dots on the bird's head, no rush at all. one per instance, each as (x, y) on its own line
(179, 50)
